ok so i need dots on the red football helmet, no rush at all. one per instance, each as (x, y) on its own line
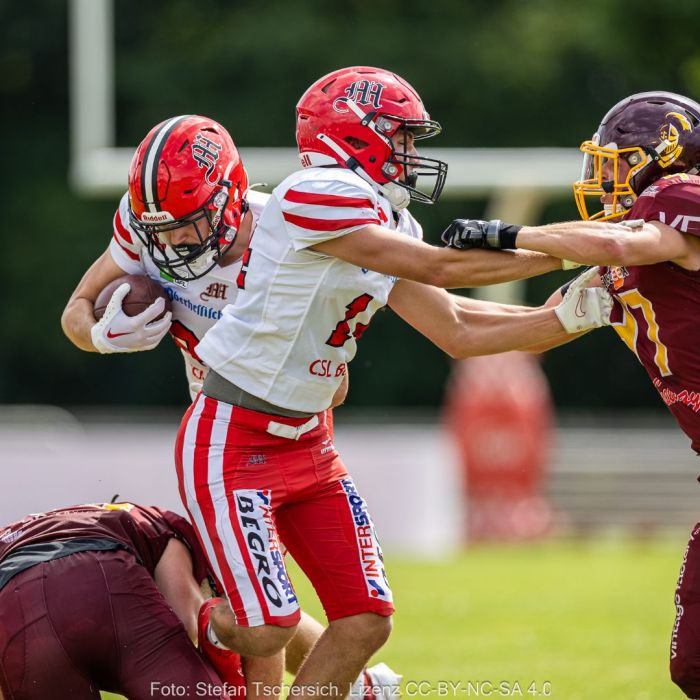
(187, 171)
(656, 133)
(349, 117)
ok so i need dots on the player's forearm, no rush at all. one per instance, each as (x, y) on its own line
(589, 242)
(495, 307)
(488, 333)
(477, 268)
(553, 343)
(76, 321)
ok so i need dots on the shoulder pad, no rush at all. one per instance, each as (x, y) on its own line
(673, 200)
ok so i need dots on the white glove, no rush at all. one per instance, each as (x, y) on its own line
(583, 308)
(117, 332)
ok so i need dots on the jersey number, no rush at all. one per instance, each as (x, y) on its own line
(184, 338)
(628, 329)
(341, 334)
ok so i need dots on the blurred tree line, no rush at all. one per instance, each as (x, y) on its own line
(504, 73)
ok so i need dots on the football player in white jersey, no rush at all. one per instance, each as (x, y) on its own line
(185, 222)
(254, 456)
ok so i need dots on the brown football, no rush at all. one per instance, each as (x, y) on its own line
(144, 291)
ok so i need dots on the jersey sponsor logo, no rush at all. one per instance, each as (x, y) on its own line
(688, 398)
(169, 278)
(362, 92)
(681, 222)
(680, 610)
(371, 556)
(615, 277)
(206, 153)
(254, 512)
(199, 309)
(326, 368)
(216, 290)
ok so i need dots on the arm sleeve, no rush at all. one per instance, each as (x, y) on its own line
(316, 211)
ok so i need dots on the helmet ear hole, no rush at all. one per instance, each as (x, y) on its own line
(357, 144)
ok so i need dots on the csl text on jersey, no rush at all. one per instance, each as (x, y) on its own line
(324, 368)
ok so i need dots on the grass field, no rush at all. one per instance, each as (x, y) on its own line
(592, 618)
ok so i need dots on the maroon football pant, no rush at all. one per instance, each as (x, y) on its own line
(685, 639)
(95, 620)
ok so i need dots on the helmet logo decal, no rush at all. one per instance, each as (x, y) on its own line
(206, 154)
(362, 92)
(669, 134)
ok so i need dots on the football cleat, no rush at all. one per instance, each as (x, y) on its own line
(226, 663)
(377, 682)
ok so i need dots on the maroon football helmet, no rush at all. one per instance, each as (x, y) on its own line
(656, 133)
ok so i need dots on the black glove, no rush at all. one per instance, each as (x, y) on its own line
(475, 233)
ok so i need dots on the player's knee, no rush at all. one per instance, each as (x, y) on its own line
(685, 673)
(369, 630)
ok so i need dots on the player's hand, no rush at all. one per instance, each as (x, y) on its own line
(583, 308)
(476, 233)
(117, 332)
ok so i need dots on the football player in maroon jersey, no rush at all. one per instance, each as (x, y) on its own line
(105, 597)
(639, 196)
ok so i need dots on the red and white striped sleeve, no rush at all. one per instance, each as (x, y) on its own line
(125, 246)
(315, 211)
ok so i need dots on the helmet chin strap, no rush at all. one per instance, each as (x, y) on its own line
(398, 197)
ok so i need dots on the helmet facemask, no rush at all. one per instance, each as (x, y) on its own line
(189, 261)
(400, 168)
(411, 167)
(601, 176)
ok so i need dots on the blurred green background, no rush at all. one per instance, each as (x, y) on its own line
(494, 73)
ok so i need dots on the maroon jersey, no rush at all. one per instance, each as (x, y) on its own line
(657, 307)
(142, 530)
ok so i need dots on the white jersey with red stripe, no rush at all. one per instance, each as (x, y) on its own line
(196, 304)
(296, 321)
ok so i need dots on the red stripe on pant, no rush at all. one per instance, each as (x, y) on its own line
(206, 503)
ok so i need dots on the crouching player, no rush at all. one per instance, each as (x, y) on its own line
(105, 597)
